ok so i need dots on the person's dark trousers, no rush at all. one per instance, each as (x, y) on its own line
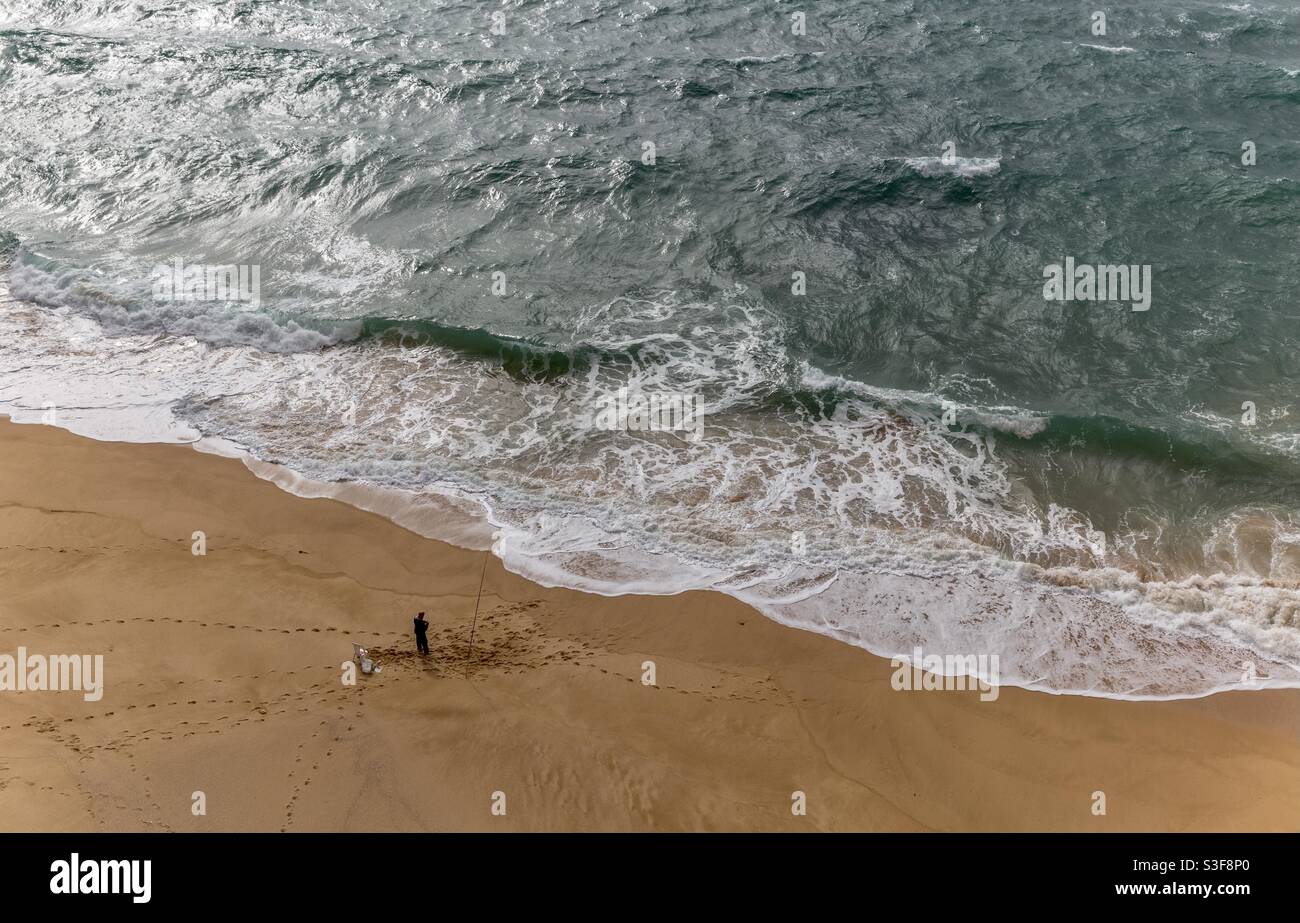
(422, 643)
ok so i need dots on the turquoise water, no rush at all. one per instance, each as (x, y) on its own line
(920, 164)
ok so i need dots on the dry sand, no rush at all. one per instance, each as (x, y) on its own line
(223, 676)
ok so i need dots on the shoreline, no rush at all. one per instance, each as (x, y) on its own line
(549, 708)
(474, 532)
(1040, 607)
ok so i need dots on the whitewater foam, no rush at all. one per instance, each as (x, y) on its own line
(957, 166)
(214, 324)
(915, 531)
(1112, 49)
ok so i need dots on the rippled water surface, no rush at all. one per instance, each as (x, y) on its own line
(464, 249)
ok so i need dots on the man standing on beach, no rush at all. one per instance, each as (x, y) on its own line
(421, 626)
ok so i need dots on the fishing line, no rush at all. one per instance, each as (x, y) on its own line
(474, 624)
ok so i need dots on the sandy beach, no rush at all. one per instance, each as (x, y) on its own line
(222, 676)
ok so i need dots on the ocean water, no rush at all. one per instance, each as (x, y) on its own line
(835, 248)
